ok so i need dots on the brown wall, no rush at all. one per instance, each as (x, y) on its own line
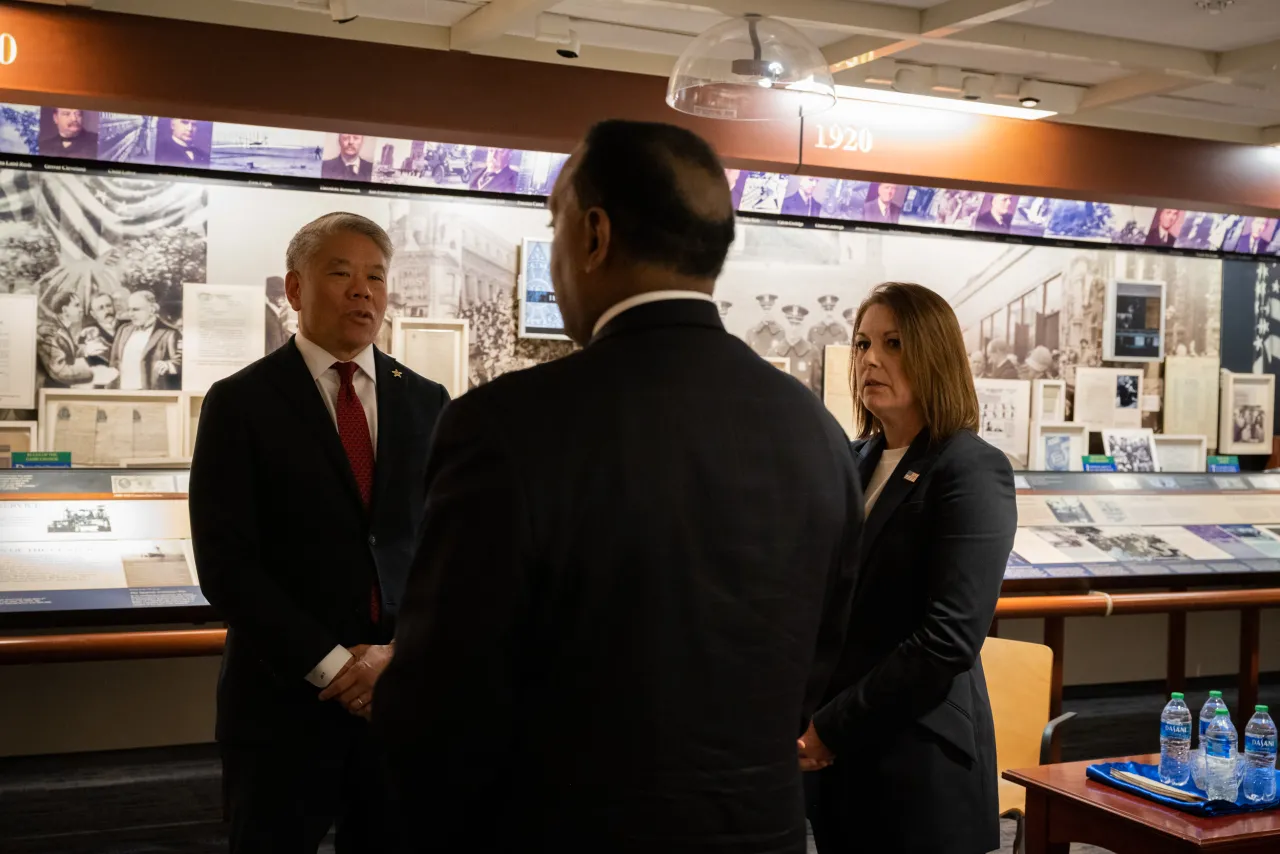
(157, 66)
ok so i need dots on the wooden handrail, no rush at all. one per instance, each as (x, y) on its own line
(111, 646)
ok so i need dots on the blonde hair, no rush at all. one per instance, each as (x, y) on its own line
(934, 360)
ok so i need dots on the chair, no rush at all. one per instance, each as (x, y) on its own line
(1019, 676)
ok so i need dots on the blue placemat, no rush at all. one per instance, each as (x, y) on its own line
(1102, 774)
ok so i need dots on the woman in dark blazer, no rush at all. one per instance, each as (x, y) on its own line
(903, 747)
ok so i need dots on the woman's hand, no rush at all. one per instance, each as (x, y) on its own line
(814, 755)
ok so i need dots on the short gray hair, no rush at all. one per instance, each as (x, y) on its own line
(305, 244)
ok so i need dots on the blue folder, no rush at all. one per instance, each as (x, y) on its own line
(1209, 809)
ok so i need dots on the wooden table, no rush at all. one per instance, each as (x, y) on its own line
(1064, 806)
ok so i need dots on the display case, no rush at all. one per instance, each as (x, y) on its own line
(1089, 530)
(85, 547)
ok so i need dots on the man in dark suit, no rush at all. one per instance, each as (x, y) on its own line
(306, 495)
(348, 165)
(999, 214)
(498, 176)
(68, 137)
(623, 609)
(1164, 228)
(1253, 240)
(802, 201)
(177, 144)
(881, 207)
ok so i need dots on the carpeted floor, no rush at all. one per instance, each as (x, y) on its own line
(167, 801)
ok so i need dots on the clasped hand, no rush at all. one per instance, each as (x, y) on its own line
(353, 686)
(814, 755)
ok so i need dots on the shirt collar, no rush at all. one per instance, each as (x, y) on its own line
(320, 360)
(645, 299)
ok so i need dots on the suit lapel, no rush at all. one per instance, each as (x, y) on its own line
(391, 420)
(900, 484)
(295, 382)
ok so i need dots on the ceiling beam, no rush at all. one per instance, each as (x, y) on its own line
(1260, 57)
(1271, 135)
(493, 20)
(1142, 85)
(871, 18)
(940, 22)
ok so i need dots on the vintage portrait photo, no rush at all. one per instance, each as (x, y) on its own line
(68, 132)
(183, 142)
(348, 157)
(1069, 510)
(1127, 391)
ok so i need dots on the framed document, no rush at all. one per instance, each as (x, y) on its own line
(1133, 322)
(1191, 396)
(836, 394)
(1132, 450)
(102, 427)
(1109, 397)
(1004, 416)
(1049, 401)
(1059, 446)
(223, 329)
(1182, 453)
(17, 351)
(539, 314)
(16, 436)
(437, 349)
(1247, 414)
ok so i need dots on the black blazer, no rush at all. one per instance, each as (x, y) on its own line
(636, 565)
(908, 716)
(284, 548)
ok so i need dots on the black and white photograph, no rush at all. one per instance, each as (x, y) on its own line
(1247, 413)
(1132, 450)
(1251, 236)
(19, 129)
(1126, 391)
(1133, 329)
(1069, 510)
(1130, 544)
(1247, 424)
(126, 138)
(763, 193)
(884, 202)
(931, 207)
(996, 213)
(270, 151)
(82, 521)
(1206, 231)
(1031, 216)
(183, 143)
(107, 258)
(1072, 543)
(404, 161)
(495, 170)
(1098, 221)
(68, 132)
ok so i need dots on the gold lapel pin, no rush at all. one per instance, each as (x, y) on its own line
(397, 374)
(910, 477)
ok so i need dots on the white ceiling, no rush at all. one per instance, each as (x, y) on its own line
(1164, 65)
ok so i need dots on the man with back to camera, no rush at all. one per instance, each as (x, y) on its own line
(306, 494)
(624, 609)
(178, 147)
(69, 137)
(348, 165)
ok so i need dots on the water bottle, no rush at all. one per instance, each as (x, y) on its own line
(1221, 782)
(1207, 712)
(1260, 757)
(1175, 742)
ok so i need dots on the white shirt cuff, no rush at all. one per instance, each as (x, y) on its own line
(322, 674)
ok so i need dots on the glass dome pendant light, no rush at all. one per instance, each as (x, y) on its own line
(751, 69)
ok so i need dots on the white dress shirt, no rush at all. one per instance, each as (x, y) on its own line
(320, 364)
(131, 368)
(884, 470)
(644, 299)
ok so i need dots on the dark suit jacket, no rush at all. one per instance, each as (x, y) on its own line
(987, 222)
(162, 346)
(871, 212)
(85, 145)
(908, 708)
(169, 153)
(635, 565)
(336, 170)
(1154, 239)
(283, 547)
(795, 205)
(1245, 244)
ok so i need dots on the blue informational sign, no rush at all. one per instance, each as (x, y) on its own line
(1224, 465)
(1098, 462)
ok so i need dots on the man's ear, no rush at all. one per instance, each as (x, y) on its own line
(599, 236)
(293, 290)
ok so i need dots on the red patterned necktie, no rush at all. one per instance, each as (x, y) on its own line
(353, 430)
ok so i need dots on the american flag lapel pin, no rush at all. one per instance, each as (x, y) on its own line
(910, 477)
